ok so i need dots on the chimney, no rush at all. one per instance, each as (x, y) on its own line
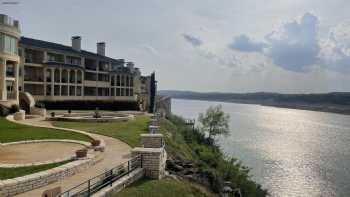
(101, 48)
(76, 43)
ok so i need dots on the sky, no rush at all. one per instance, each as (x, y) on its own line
(289, 46)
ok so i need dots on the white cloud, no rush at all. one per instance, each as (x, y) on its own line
(294, 46)
(244, 43)
(335, 49)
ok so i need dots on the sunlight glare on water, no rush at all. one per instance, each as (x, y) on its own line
(291, 152)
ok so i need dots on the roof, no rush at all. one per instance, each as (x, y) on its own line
(60, 47)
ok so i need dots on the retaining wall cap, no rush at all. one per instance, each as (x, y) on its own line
(153, 150)
(152, 135)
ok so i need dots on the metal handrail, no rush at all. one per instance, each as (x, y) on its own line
(102, 180)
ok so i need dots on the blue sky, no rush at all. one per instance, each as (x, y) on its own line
(289, 46)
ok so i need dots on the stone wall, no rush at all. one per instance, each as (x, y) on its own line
(121, 183)
(11, 187)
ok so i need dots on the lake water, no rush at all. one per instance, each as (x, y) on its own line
(291, 152)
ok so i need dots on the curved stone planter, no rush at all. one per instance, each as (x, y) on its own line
(88, 117)
(72, 157)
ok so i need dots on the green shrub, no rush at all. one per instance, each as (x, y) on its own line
(4, 111)
(14, 109)
(212, 163)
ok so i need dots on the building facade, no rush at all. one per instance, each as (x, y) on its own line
(52, 72)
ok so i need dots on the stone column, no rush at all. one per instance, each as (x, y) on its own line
(60, 81)
(153, 161)
(16, 82)
(52, 82)
(153, 155)
(68, 82)
(82, 82)
(44, 74)
(75, 82)
(3, 88)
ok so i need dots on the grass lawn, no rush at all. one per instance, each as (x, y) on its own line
(11, 132)
(128, 132)
(161, 188)
(8, 173)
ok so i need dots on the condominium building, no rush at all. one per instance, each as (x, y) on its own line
(53, 72)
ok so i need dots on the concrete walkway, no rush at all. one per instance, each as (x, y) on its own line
(116, 152)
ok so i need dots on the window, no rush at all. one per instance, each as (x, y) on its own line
(64, 77)
(10, 44)
(126, 91)
(71, 90)
(122, 92)
(34, 89)
(64, 90)
(118, 92)
(118, 80)
(90, 76)
(57, 76)
(48, 90)
(131, 92)
(103, 77)
(57, 90)
(103, 91)
(89, 91)
(112, 80)
(73, 60)
(103, 66)
(122, 81)
(112, 92)
(48, 75)
(33, 56)
(72, 76)
(78, 90)
(79, 76)
(53, 57)
(10, 70)
(90, 64)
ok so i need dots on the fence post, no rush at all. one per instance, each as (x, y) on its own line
(141, 160)
(111, 176)
(128, 167)
(89, 187)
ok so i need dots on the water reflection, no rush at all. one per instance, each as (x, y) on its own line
(291, 152)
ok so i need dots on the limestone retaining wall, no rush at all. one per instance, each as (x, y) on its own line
(11, 187)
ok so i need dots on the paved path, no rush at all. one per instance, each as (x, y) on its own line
(116, 153)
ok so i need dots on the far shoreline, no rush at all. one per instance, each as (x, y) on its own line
(325, 108)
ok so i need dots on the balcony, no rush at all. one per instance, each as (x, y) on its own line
(34, 74)
(34, 56)
(10, 70)
(90, 64)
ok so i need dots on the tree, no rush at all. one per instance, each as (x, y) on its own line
(214, 122)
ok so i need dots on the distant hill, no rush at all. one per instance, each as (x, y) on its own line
(338, 102)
